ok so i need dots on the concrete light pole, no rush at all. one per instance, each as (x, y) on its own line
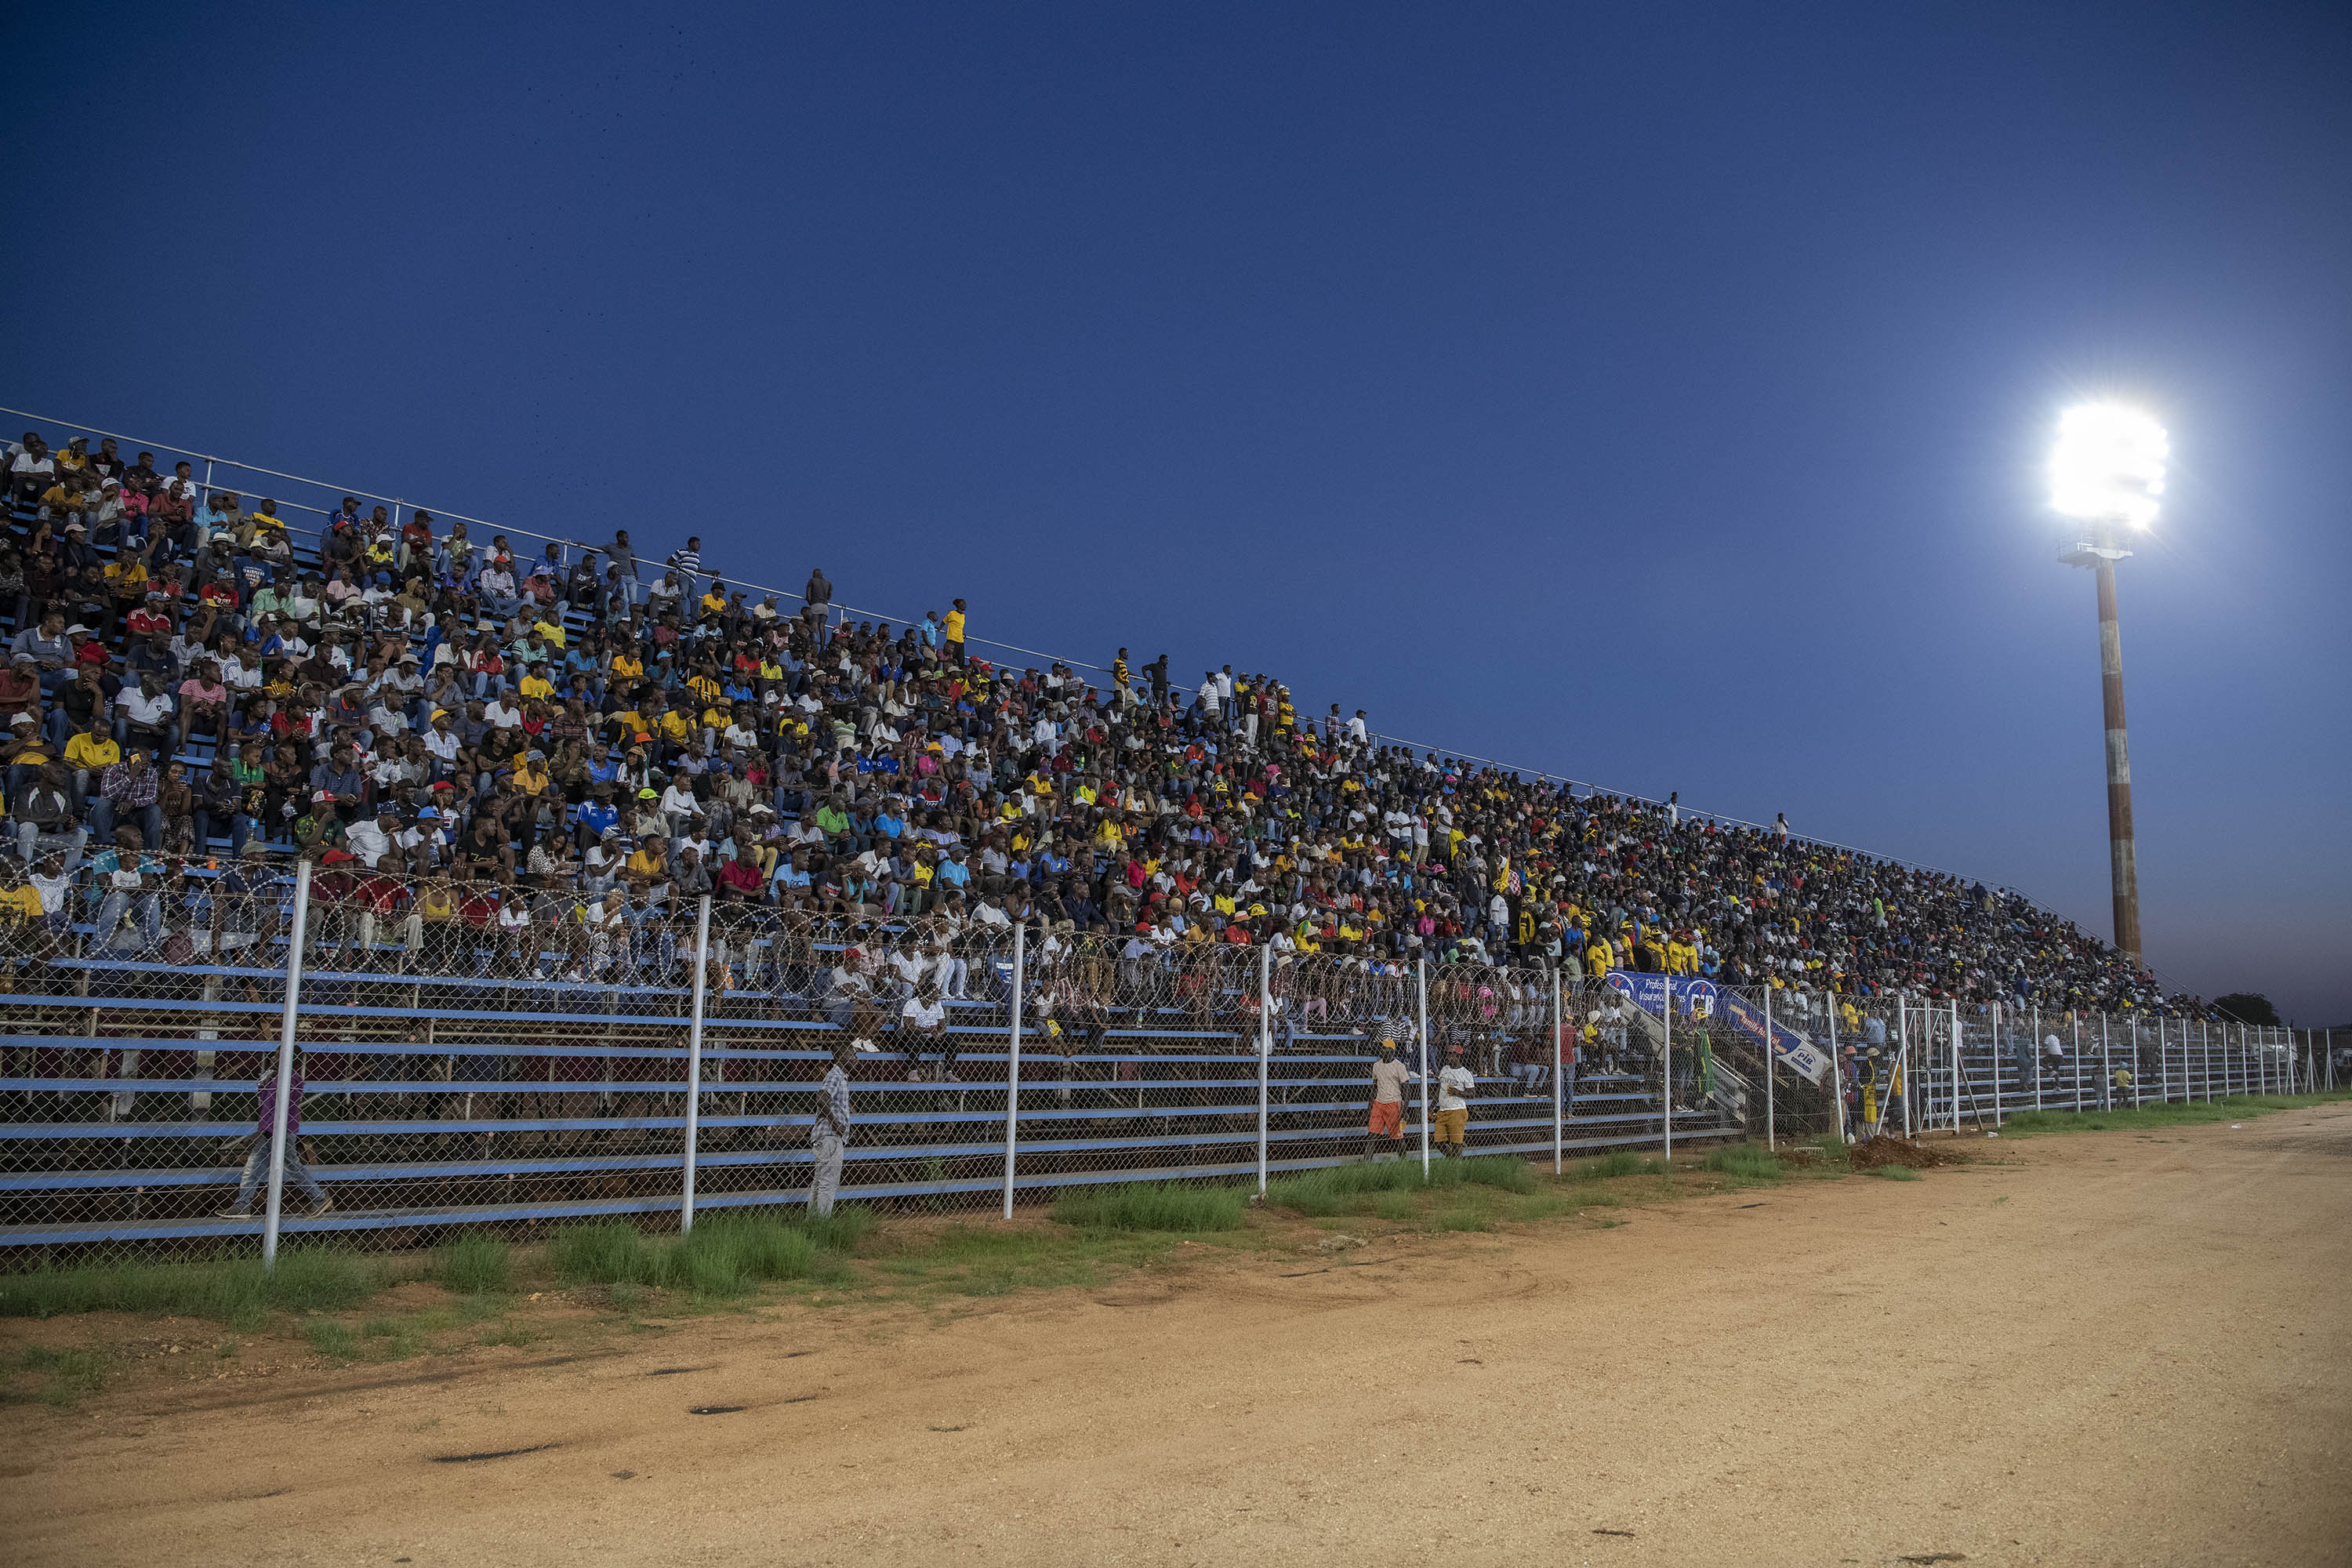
(2107, 470)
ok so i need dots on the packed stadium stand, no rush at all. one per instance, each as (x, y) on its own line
(516, 769)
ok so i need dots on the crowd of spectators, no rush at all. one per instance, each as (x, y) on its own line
(472, 738)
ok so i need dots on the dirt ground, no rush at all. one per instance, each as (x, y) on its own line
(2097, 1349)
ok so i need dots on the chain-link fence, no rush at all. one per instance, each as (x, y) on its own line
(460, 1058)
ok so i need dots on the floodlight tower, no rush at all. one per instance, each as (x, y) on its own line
(2106, 471)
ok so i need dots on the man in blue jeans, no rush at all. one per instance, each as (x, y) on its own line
(256, 1163)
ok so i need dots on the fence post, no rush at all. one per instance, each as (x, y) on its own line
(1427, 1104)
(1666, 1066)
(2074, 1030)
(1013, 1058)
(1768, 1143)
(694, 1061)
(1558, 1080)
(279, 1112)
(1264, 1048)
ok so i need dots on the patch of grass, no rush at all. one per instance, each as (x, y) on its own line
(839, 1231)
(1745, 1164)
(1504, 1171)
(1897, 1172)
(981, 1260)
(1385, 1189)
(70, 1374)
(332, 1339)
(605, 1253)
(1468, 1214)
(2195, 1113)
(310, 1278)
(474, 1264)
(732, 1254)
(725, 1255)
(510, 1334)
(1339, 1189)
(392, 1338)
(1152, 1205)
(1614, 1163)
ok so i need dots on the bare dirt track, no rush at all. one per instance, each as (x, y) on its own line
(2105, 1349)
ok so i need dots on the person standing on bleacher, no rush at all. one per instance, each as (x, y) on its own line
(830, 1134)
(1455, 1083)
(1387, 1125)
(256, 1163)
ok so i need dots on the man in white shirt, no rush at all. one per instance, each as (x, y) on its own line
(922, 1028)
(368, 837)
(1455, 1083)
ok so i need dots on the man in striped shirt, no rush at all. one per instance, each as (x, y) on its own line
(830, 1135)
(687, 561)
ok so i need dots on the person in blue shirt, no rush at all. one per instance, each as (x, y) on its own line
(597, 813)
(889, 825)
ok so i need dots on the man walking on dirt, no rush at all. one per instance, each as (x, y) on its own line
(830, 1135)
(1389, 1078)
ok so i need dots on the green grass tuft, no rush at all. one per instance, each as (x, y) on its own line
(310, 1278)
(332, 1339)
(1152, 1205)
(1506, 1173)
(1382, 1189)
(1614, 1163)
(2195, 1113)
(1897, 1172)
(725, 1254)
(70, 1374)
(475, 1264)
(605, 1253)
(1338, 1189)
(1744, 1163)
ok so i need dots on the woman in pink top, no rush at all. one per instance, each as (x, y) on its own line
(204, 702)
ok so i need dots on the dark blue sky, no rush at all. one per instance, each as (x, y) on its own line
(1654, 395)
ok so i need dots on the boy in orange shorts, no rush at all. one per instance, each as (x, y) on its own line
(1389, 1078)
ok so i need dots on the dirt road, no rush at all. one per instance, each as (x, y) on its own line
(2109, 1348)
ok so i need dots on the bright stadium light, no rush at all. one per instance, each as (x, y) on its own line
(2108, 465)
(2106, 471)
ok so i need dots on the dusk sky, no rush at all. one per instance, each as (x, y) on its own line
(1653, 395)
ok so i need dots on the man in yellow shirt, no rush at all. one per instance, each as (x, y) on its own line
(91, 753)
(955, 632)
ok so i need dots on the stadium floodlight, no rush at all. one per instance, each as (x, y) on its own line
(2108, 465)
(2107, 470)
